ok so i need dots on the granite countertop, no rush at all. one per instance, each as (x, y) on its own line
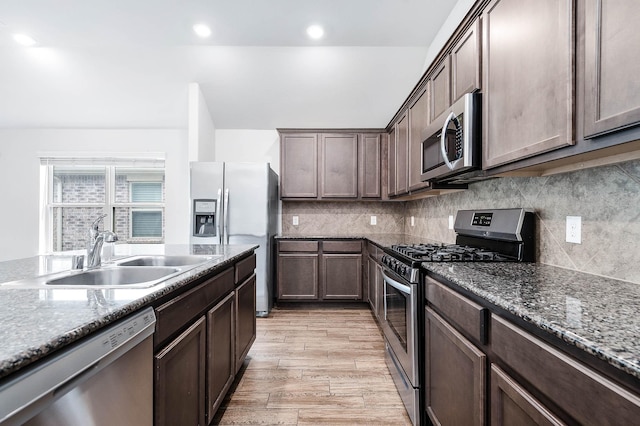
(36, 321)
(381, 240)
(595, 314)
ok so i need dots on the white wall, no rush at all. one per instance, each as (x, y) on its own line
(20, 177)
(248, 146)
(454, 19)
(201, 127)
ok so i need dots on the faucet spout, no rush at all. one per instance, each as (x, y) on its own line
(96, 240)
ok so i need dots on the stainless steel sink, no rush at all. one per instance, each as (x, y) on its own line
(141, 276)
(154, 261)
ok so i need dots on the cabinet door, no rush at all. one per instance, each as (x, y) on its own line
(527, 78)
(221, 352)
(298, 276)
(612, 65)
(369, 165)
(511, 404)
(440, 88)
(245, 308)
(373, 286)
(342, 276)
(465, 63)
(391, 163)
(455, 375)
(557, 376)
(418, 121)
(380, 293)
(299, 165)
(339, 165)
(180, 379)
(402, 150)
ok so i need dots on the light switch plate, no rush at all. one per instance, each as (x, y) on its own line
(450, 221)
(574, 229)
(413, 221)
(374, 220)
(296, 221)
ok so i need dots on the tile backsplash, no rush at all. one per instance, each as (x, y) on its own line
(607, 198)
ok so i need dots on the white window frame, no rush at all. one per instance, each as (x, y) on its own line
(137, 209)
(109, 205)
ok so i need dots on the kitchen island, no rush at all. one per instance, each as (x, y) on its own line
(36, 322)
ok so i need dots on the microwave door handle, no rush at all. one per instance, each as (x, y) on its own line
(218, 218)
(443, 141)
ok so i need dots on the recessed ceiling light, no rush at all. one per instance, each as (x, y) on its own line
(315, 32)
(24, 39)
(202, 30)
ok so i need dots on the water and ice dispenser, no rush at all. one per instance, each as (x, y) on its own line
(204, 218)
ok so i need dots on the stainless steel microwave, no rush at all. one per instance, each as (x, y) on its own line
(451, 146)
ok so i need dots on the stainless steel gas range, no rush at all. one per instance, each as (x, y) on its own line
(489, 235)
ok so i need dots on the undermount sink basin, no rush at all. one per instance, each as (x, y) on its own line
(155, 261)
(116, 277)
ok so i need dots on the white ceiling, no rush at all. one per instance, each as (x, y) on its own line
(127, 63)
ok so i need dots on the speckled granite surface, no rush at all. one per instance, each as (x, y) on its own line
(35, 322)
(596, 314)
(381, 240)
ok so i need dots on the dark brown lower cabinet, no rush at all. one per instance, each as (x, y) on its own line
(342, 276)
(585, 396)
(317, 270)
(298, 276)
(179, 388)
(245, 307)
(372, 295)
(511, 404)
(454, 375)
(221, 354)
(202, 337)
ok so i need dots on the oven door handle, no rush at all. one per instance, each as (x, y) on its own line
(397, 285)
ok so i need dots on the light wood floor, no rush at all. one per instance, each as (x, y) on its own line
(315, 365)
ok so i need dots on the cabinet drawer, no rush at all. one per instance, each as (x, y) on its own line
(180, 311)
(244, 268)
(342, 246)
(584, 394)
(467, 315)
(294, 246)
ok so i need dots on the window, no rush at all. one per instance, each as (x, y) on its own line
(76, 191)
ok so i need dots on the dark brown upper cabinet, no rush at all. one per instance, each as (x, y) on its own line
(402, 148)
(440, 81)
(330, 165)
(466, 63)
(299, 165)
(612, 66)
(418, 121)
(338, 165)
(391, 163)
(528, 78)
(369, 149)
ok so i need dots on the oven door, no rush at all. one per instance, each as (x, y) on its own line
(400, 323)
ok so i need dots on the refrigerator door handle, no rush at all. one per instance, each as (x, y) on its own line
(226, 216)
(218, 207)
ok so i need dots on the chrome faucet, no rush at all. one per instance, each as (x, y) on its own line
(96, 239)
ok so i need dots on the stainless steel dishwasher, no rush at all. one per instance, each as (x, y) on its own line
(105, 379)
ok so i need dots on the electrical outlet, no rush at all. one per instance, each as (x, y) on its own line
(374, 220)
(413, 221)
(450, 221)
(574, 229)
(296, 221)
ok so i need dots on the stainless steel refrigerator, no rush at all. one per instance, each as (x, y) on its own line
(237, 203)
